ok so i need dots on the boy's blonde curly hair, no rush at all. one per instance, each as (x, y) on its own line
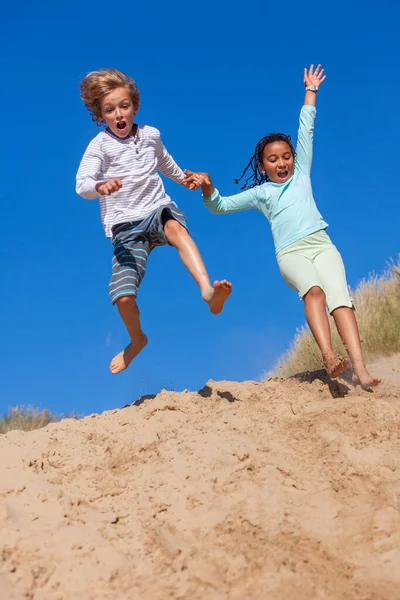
(99, 83)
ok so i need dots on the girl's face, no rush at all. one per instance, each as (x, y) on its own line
(277, 162)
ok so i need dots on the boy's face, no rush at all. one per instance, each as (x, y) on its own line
(278, 162)
(118, 112)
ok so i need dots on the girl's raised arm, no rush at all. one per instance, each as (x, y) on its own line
(312, 81)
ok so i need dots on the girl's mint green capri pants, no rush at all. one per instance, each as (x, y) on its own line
(315, 261)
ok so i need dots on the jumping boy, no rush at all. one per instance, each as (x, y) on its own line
(120, 167)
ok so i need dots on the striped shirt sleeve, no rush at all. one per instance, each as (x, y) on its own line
(166, 164)
(89, 172)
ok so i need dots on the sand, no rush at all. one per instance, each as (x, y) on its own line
(243, 491)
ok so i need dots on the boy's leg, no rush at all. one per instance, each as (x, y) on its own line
(348, 330)
(129, 312)
(131, 250)
(178, 236)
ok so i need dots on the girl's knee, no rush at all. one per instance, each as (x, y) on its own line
(335, 305)
(315, 293)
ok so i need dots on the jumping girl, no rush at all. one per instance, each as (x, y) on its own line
(279, 185)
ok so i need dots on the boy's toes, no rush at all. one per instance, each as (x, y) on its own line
(123, 359)
(222, 291)
(118, 363)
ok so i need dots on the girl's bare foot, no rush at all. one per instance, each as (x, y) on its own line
(364, 379)
(218, 296)
(335, 365)
(123, 359)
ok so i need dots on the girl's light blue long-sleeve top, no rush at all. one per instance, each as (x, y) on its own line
(290, 206)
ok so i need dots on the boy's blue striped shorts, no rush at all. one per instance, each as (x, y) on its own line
(133, 241)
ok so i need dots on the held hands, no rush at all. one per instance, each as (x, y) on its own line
(107, 188)
(190, 183)
(194, 181)
(312, 77)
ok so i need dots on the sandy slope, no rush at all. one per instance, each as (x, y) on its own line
(282, 489)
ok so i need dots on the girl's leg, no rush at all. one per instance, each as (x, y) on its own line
(216, 295)
(348, 330)
(330, 267)
(317, 319)
(300, 274)
(129, 312)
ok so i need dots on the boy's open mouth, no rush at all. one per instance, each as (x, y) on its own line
(121, 125)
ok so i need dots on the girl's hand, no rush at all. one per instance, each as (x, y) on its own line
(190, 182)
(107, 188)
(199, 178)
(194, 181)
(312, 77)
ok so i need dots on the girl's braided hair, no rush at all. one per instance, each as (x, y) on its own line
(258, 177)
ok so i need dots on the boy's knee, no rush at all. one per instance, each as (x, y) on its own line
(125, 301)
(174, 230)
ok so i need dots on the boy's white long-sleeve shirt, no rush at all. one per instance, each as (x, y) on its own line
(135, 160)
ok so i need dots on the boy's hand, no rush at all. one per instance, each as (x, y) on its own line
(196, 179)
(192, 181)
(107, 188)
(202, 180)
(189, 182)
(312, 77)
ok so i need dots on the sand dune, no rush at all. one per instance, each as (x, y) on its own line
(244, 491)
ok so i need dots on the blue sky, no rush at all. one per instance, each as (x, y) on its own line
(214, 78)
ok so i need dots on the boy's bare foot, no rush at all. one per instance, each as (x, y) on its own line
(364, 379)
(335, 365)
(123, 359)
(218, 296)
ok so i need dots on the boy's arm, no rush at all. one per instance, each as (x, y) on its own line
(222, 204)
(166, 163)
(304, 148)
(88, 175)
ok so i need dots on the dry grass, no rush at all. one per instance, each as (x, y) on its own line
(377, 302)
(26, 418)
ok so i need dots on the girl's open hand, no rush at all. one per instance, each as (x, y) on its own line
(312, 77)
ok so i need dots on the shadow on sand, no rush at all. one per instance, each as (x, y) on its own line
(336, 388)
(206, 392)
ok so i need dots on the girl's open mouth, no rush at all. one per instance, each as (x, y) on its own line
(283, 174)
(121, 125)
